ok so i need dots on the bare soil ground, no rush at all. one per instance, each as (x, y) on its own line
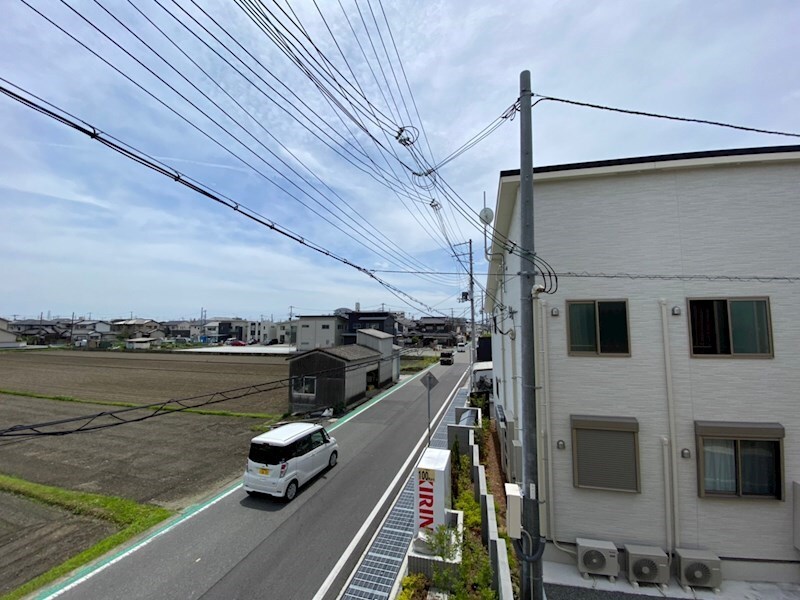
(495, 480)
(171, 460)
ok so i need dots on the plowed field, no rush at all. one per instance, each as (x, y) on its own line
(172, 460)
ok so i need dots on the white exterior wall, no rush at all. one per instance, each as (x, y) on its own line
(386, 368)
(314, 336)
(733, 220)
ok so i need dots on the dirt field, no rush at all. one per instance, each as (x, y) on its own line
(172, 460)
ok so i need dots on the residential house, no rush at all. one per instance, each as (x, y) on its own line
(88, 331)
(404, 329)
(189, 330)
(666, 358)
(382, 321)
(40, 331)
(220, 329)
(8, 339)
(285, 332)
(129, 328)
(437, 330)
(334, 378)
(324, 331)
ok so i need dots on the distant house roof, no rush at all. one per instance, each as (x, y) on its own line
(375, 333)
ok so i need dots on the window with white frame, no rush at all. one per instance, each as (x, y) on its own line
(739, 460)
(605, 452)
(305, 385)
(730, 327)
(598, 327)
(326, 326)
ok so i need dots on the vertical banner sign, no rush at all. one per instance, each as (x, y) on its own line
(432, 489)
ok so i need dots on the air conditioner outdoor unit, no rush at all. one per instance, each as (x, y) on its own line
(647, 564)
(597, 557)
(698, 568)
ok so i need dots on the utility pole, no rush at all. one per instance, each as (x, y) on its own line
(531, 564)
(290, 311)
(473, 341)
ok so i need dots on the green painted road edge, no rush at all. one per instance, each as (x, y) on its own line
(87, 571)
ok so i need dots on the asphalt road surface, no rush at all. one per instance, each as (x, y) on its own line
(236, 546)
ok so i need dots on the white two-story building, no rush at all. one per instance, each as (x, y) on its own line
(667, 362)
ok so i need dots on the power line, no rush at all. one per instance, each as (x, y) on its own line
(372, 240)
(268, 23)
(661, 116)
(758, 278)
(380, 176)
(159, 167)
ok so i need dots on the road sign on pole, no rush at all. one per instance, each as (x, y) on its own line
(429, 381)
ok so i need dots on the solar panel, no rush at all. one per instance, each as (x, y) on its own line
(378, 570)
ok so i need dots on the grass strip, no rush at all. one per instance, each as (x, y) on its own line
(133, 518)
(197, 411)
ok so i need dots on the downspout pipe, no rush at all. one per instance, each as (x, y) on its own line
(551, 492)
(673, 442)
(667, 500)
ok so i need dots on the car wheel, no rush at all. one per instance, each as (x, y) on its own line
(332, 461)
(291, 491)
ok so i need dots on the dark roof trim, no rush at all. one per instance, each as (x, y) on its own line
(657, 158)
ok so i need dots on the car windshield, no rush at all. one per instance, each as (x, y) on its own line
(269, 455)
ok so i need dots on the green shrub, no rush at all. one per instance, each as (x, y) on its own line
(414, 587)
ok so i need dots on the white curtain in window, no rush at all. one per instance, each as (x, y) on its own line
(719, 466)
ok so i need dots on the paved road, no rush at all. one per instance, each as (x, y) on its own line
(241, 547)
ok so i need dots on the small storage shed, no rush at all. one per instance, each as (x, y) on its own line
(331, 377)
(389, 370)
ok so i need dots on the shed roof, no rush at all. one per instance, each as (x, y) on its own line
(348, 353)
(376, 333)
(351, 352)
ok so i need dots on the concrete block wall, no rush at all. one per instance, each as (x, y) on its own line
(498, 557)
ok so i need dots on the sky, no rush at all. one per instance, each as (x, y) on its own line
(330, 125)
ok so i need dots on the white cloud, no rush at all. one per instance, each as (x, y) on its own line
(113, 237)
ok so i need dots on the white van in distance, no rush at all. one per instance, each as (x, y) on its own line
(284, 458)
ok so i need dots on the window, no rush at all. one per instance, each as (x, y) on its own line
(739, 459)
(305, 385)
(305, 326)
(270, 455)
(326, 327)
(730, 326)
(317, 439)
(605, 453)
(598, 327)
(302, 446)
